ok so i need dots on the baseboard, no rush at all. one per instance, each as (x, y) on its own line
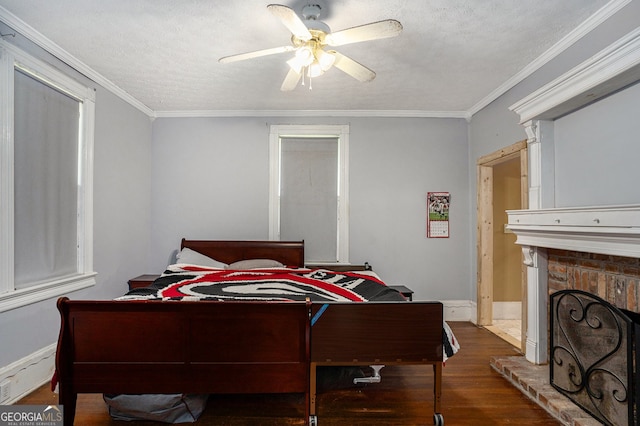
(459, 310)
(507, 310)
(27, 374)
(467, 310)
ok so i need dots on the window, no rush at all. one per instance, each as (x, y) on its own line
(309, 195)
(46, 229)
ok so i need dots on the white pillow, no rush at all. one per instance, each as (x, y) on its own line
(186, 255)
(255, 263)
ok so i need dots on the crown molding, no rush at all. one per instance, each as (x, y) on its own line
(313, 113)
(567, 41)
(610, 70)
(39, 39)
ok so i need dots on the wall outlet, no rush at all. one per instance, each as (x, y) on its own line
(5, 390)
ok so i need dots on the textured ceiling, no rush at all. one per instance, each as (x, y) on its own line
(451, 55)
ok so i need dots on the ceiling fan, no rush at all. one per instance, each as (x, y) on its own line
(310, 39)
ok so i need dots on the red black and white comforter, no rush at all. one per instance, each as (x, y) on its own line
(192, 282)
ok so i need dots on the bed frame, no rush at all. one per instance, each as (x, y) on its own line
(240, 347)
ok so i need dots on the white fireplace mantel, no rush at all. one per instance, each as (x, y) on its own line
(613, 230)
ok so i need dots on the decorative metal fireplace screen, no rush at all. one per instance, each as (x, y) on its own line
(594, 359)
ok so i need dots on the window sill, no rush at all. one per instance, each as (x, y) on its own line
(18, 298)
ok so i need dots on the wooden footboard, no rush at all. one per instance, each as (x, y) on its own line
(235, 347)
(181, 347)
(377, 333)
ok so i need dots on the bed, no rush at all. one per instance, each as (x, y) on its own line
(139, 344)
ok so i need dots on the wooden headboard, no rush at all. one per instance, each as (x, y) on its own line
(289, 253)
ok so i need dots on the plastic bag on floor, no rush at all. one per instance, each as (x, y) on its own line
(167, 408)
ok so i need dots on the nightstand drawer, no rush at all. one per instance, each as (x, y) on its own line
(142, 281)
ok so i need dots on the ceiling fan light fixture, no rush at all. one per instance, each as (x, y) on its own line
(304, 56)
(315, 69)
(325, 60)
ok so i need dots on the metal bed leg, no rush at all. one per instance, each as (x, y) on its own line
(313, 418)
(438, 419)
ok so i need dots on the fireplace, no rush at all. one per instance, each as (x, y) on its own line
(594, 332)
(594, 355)
(583, 282)
(595, 249)
(605, 237)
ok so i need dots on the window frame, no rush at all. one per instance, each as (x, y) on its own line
(341, 132)
(11, 60)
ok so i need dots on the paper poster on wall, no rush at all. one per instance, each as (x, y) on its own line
(438, 214)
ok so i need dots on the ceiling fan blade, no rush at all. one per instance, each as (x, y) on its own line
(291, 21)
(353, 68)
(372, 31)
(290, 81)
(256, 54)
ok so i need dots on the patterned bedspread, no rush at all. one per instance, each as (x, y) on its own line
(192, 282)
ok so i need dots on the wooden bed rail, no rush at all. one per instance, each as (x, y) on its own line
(375, 333)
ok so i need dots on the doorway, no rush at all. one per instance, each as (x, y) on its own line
(502, 185)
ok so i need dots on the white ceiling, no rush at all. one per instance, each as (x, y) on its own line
(452, 57)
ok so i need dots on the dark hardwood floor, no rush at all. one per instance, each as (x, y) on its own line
(472, 394)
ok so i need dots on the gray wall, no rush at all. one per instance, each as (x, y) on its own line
(122, 182)
(596, 153)
(211, 180)
(122, 195)
(495, 127)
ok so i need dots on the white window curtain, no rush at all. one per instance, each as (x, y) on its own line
(309, 195)
(46, 180)
(46, 146)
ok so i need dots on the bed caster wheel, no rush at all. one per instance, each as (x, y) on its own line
(438, 419)
(313, 420)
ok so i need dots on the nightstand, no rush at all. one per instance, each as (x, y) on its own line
(142, 281)
(405, 291)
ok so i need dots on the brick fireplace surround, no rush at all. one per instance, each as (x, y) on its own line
(613, 278)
